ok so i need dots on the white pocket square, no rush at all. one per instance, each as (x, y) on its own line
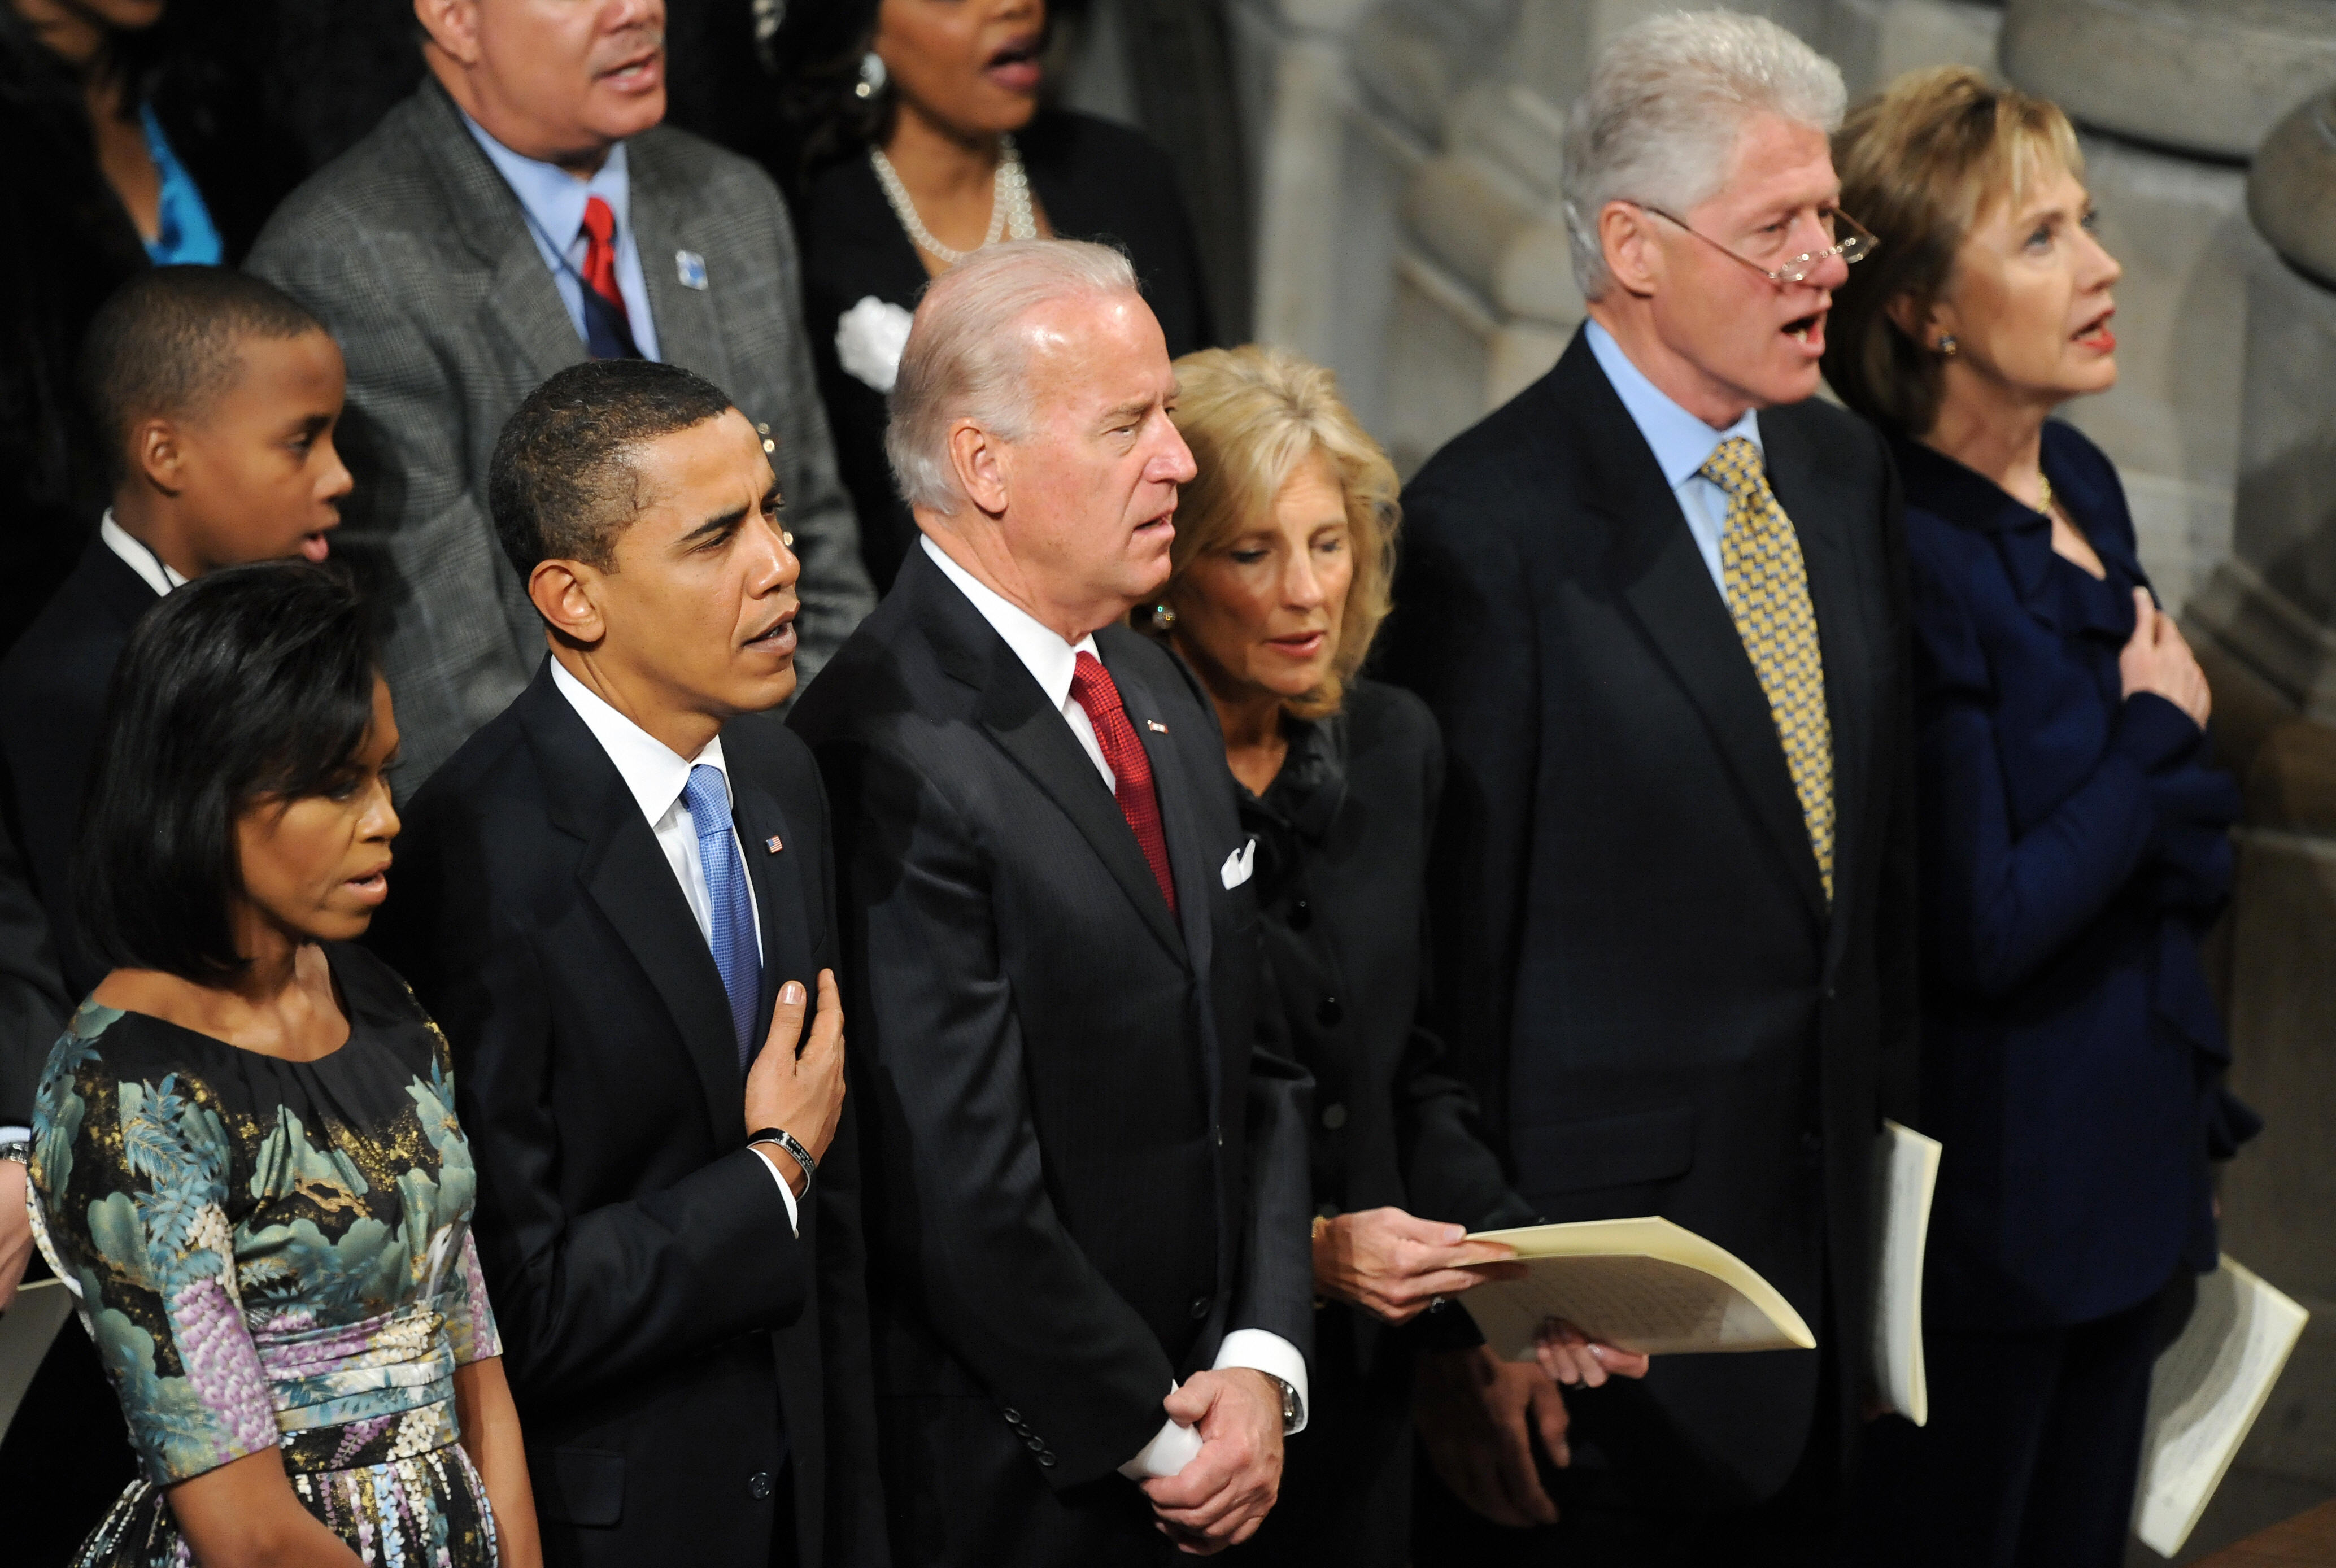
(1239, 864)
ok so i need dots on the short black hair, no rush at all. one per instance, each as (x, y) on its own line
(561, 484)
(164, 344)
(248, 682)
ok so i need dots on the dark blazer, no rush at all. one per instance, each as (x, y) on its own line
(1094, 179)
(53, 687)
(32, 1008)
(1082, 1172)
(415, 252)
(668, 1341)
(1343, 838)
(1638, 972)
(2075, 847)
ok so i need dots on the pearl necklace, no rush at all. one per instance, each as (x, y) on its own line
(1010, 214)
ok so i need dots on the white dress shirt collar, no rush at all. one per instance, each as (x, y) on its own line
(138, 556)
(651, 769)
(1050, 661)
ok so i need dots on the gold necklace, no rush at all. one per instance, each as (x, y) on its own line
(2045, 485)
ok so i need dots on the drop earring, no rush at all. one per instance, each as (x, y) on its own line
(1162, 618)
(872, 76)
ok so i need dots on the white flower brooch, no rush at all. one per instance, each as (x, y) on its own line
(869, 338)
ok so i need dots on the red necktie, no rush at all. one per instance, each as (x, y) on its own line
(1092, 689)
(600, 256)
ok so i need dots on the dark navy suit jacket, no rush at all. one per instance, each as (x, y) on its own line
(2074, 849)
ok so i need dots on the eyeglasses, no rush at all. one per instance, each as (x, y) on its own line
(1852, 248)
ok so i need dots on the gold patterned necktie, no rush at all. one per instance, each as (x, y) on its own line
(1769, 595)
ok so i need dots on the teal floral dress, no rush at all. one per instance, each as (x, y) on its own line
(274, 1254)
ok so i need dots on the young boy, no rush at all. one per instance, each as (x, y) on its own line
(220, 395)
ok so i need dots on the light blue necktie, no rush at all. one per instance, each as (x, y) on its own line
(707, 796)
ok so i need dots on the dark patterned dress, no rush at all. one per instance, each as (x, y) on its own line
(274, 1253)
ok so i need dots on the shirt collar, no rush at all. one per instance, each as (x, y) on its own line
(1682, 444)
(138, 556)
(553, 196)
(1050, 661)
(650, 769)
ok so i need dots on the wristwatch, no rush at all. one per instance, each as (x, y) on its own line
(1290, 1409)
(17, 1149)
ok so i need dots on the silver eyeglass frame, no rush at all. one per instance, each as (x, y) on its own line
(1853, 248)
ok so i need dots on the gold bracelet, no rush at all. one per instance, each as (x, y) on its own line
(1321, 1226)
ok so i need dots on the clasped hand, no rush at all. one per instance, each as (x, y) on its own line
(1224, 1492)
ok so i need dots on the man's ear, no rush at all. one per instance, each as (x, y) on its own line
(452, 26)
(978, 458)
(1627, 238)
(158, 454)
(565, 593)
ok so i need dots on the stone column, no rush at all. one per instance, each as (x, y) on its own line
(2264, 626)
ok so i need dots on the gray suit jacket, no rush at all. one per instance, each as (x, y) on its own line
(417, 255)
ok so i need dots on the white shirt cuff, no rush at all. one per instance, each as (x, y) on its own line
(11, 1134)
(1171, 1449)
(1172, 1446)
(787, 1193)
(1270, 1353)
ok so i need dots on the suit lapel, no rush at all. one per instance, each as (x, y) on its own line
(1663, 579)
(1823, 517)
(524, 307)
(1018, 716)
(627, 878)
(779, 894)
(1188, 859)
(688, 333)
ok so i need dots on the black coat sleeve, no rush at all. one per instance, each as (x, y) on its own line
(33, 1005)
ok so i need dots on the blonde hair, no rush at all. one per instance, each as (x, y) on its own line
(968, 352)
(1920, 163)
(1252, 416)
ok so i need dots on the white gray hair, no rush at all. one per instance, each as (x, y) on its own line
(967, 353)
(1665, 103)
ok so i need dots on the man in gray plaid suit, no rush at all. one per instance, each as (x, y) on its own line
(522, 211)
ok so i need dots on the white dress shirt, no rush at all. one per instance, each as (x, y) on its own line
(657, 774)
(138, 556)
(554, 200)
(1682, 444)
(1050, 661)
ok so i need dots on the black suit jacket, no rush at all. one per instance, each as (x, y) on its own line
(667, 1339)
(1638, 969)
(53, 687)
(1082, 1169)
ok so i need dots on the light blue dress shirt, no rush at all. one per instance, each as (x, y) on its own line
(554, 200)
(1682, 444)
(186, 236)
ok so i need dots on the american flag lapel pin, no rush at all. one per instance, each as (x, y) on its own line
(770, 846)
(1155, 727)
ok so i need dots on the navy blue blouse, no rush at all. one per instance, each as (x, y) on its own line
(2075, 848)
